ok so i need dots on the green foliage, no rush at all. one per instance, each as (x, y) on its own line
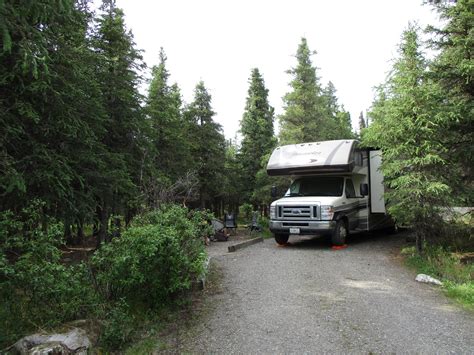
(407, 125)
(118, 326)
(36, 289)
(311, 112)
(208, 145)
(264, 183)
(232, 183)
(258, 137)
(171, 149)
(155, 258)
(441, 263)
(453, 70)
(153, 261)
(463, 293)
(245, 211)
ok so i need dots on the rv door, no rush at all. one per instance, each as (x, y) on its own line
(377, 202)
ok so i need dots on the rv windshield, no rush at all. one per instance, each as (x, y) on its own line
(316, 186)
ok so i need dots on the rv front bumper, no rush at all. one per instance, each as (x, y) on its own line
(311, 227)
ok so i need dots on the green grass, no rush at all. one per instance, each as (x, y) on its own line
(440, 263)
(146, 346)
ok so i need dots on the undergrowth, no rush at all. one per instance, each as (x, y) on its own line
(123, 286)
(442, 263)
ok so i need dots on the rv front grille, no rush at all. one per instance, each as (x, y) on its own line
(296, 212)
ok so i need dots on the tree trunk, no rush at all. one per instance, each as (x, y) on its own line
(419, 242)
(102, 218)
(67, 233)
(80, 232)
(117, 227)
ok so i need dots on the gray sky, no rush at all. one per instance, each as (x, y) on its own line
(219, 41)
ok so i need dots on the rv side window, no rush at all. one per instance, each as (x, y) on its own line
(350, 191)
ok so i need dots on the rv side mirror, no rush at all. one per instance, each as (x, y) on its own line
(364, 189)
(274, 192)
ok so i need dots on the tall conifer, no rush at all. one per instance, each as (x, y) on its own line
(257, 131)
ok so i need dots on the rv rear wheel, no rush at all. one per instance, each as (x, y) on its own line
(281, 239)
(340, 233)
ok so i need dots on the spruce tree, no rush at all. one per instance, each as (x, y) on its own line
(304, 105)
(362, 124)
(208, 146)
(312, 113)
(119, 78)
(256, 127)
(453, 69)
(336, 123)
(163, 110)
(405, 126)
(50, 108)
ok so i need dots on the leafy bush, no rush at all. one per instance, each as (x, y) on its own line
(152, 261)
(246, 210)
(158, 256)
(441, 263)
(36, 290)
(118, 326)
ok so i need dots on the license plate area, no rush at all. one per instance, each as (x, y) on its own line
(294, 230)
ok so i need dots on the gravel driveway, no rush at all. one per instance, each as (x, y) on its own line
(307, 298)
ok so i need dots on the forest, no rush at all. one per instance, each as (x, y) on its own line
(85, 158)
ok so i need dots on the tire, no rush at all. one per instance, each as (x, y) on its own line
(281, 239)
(340, 233)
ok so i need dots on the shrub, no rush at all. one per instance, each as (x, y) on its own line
(441, 263)
(36, 290)
(158, 256)
(153, 260)
(246, 210)
(118, 326)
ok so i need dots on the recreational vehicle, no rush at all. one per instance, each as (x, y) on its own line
(336, 188)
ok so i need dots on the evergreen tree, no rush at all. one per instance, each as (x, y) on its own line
(119, 79)
(453, 69)
(362, 124)
(405, 127)
(208, 148)
(232, 178)
(164, 112)
(311, 112)
(337, 121)
(50, 108)
(256, 127)
(304, 105)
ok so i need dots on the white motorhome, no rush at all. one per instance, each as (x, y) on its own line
(336, 188)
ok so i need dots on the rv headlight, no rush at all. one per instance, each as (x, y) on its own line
(327, 212)
(272, 211)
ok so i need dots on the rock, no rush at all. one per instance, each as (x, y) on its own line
(428, 279)
(50, 348)
(75, 341)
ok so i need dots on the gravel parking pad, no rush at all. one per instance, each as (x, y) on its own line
(307, 298)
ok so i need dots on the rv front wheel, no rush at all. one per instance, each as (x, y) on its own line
(281, 239)
(340, 233)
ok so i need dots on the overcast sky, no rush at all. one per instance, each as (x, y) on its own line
(220, 41)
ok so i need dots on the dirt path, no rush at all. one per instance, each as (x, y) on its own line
(307, 298)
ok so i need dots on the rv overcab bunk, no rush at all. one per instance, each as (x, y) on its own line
(336, 188)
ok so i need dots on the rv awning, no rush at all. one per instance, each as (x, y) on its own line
(316, 157)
